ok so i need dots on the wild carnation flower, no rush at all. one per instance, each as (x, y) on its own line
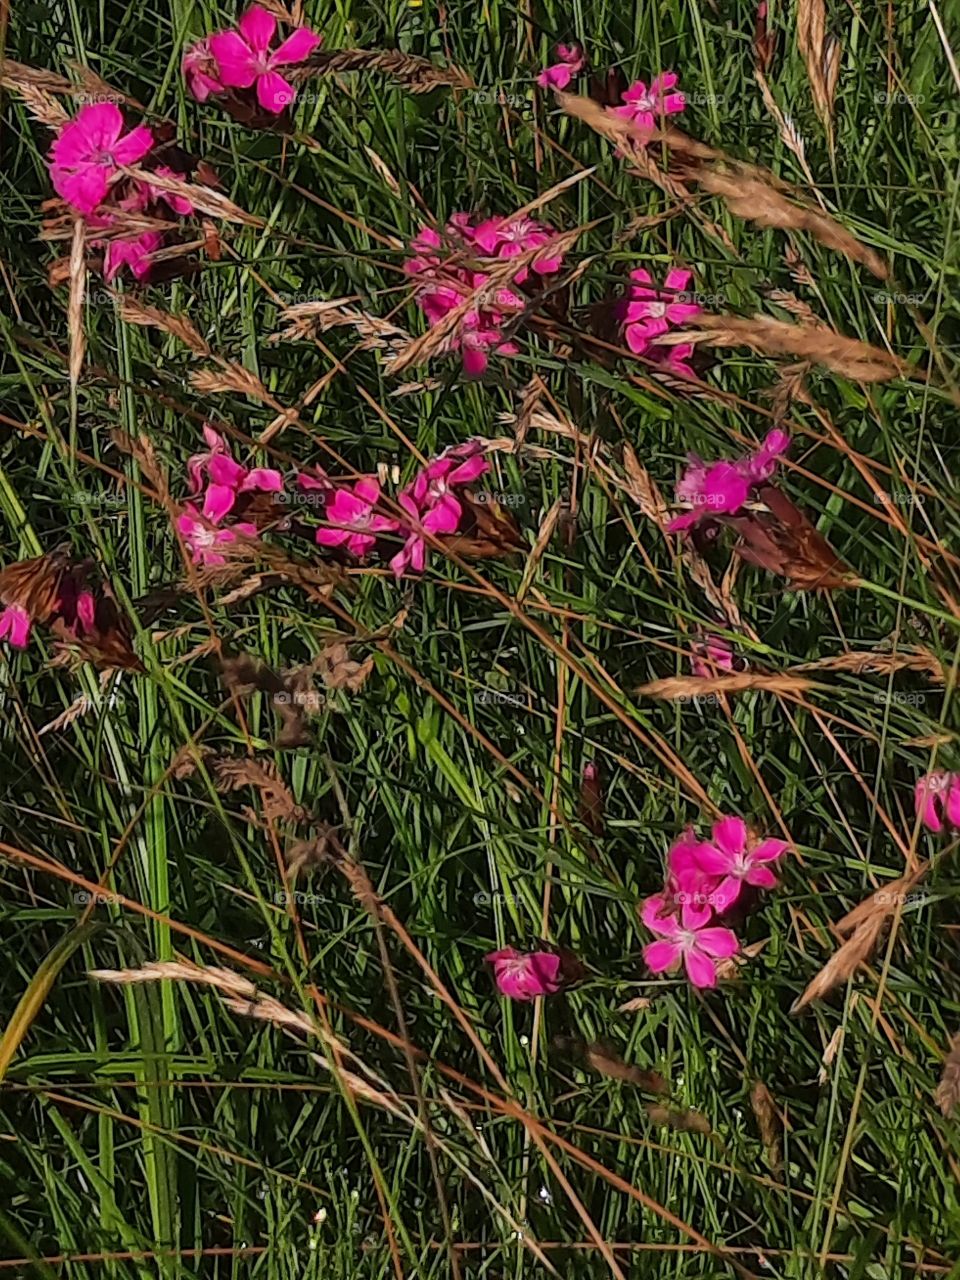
(732, 860)
(710, 656)
(227, 479)
(570, 62)
(432, 506)
(525, 976)
(15, 624)
(351, 518)
(90, 149)
(723, 487)
(203, 539)
(646, 108)
(200, 71)
(648, 312)
(937, 800)
(244, 57)
(689, 937)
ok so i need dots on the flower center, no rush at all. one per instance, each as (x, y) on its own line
(657, 310)
(645, 104)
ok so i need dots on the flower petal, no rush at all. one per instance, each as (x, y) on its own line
(236, 64)
(701, 970)
(257, 27)
(297, 47)
(274, 93)
(730, 835)
(660, 956)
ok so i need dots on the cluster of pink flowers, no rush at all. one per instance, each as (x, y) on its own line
(570, 62)
(75, 608)
(723, 487)
(226, 481)
(445, 285)
(241, 58)
(705, 879)
(85, 162)
(648, 313)
(937, 800)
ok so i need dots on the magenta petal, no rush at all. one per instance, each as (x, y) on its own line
(332, 537)
(222, 469)
(768, 851)
(660, 956)
(713, 861)
(297, 47)
(726, 893)
(83, 189)
(218, 502)
(235, 61)
(693, 916)
(445, 516)
(701, 970)
(730, 835)
(469, 471)
(134, 146)
(257, 27)
(474, 362)
(266, 479)
(718, 942)
(367, 490)
(655, 914)
(953, 802)
(274, 93)
(761, 877)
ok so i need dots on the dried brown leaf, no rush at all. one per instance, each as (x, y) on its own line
(948, 1090)
(685, 1119)
(768, 1119)
(338, 670)
(417, 75)
(683, 688)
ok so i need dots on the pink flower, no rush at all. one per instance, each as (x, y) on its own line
(711, 656)
(352, 519)
(937, 798)
(433, 507)
(571, 62)
(688, 937)
(723, 488)
(153, 194)
(244, 57)
(525, 976)
(202, 539)
(15, 624)
(133, 253)
(227, 478)
(88, 151)
(646, 108)
(200, 71)
(510, 237)
(648, 312)
(732, 860)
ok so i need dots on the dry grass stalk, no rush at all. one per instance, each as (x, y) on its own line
(768, 1119)
(203, 198)
(948, 1090)
(865, 924)
(686, 687)
(683, 1118)
(546, 531)
(305, 318)
(699, 571)
(788, 130)
(78, 285)
(881, 664)
(417, 75)
(858, 361)
(822, 57)
(643, 491)
(789, 301)
(530, 400)
(76, 709)
(231, 378)
(43, 106)
(17, 76)
(179, 327)
(338, 670)
(829, 1053)
(608, 1063)
(233, 772)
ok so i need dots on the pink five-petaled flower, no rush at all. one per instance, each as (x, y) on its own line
(688, 937)
(433, 508)
(200, 71)
(570, 63)
(203, 540)
(133, 253)
(510, 237)
(646, 108)
(15, 624)
(227, 478)
(244, 57)
(649, 313)
(723, 487)
(733, 860)
(88, 151)
(937, 797)
(524, 976)
(352, 520)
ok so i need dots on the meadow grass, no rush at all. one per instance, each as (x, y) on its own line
(157, 1129)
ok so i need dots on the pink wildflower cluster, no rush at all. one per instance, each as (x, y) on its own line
(937, 800)
(74, 611)
(570, 62)
(705, 879)
(242, 58)
(648, 313)
(723, 487)
(85, 162)
(445, 285)
(226, 484)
